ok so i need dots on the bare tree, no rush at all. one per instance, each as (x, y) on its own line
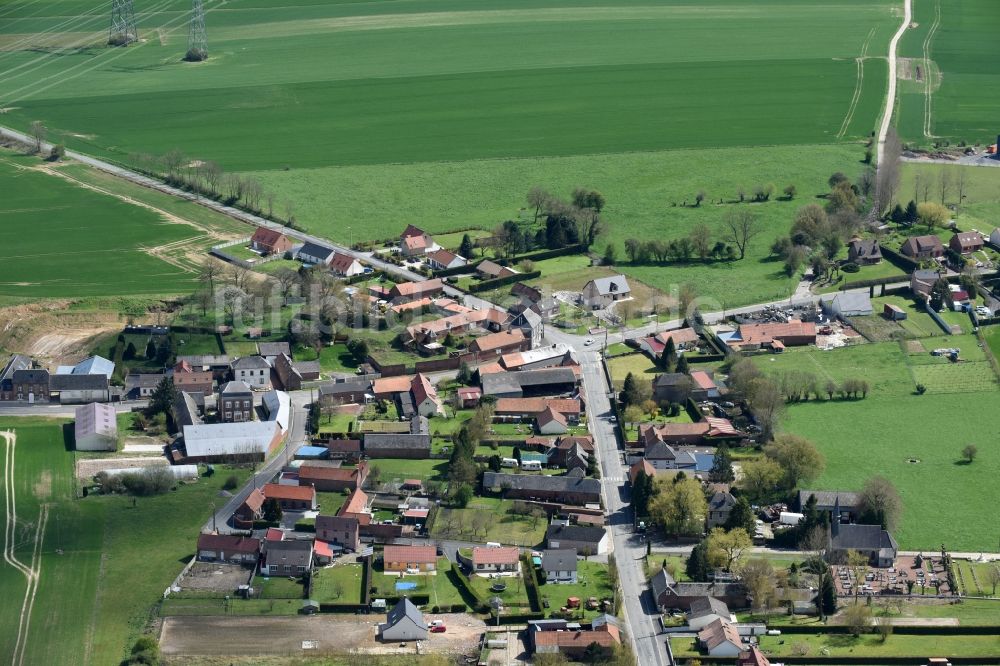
(944, 184)
(960, 185)
(741, 227)
(887, 178)
(286, 279)
(239, 274)
(917, 180)
(701, 239)
(925, 188)
(269, 198)
(212, 173)
(38, 133)
(538, 198)
(993, 576)
(210, 270)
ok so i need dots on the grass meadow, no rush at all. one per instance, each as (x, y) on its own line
(58, 239)
(882, 433)
(981, 196)
(958, 98)
(451, 111)
(104, 562)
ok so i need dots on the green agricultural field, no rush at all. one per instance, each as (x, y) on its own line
(955, 97)
(426, 107)
(59, 239)
(104, 563)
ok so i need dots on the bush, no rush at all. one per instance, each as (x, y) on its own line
(850, 267)
(459, 608)
(145, 651)
(232, 481)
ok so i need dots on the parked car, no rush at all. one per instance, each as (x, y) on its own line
(439, 629)
(588, 342)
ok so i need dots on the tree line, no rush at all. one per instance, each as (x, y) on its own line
(566, 222)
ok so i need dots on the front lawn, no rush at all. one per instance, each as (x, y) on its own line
(638, 364)
(278, 587)
(438, 587)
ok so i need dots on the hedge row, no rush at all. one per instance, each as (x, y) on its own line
(935, 631)
(899, 260)
(874, 282)
(458, 270)
(465, 589)
(520, 618)
(530, 583)
(551, 254)
(487, 285)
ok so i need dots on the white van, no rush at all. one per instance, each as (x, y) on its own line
(508, 462)
(531, 465)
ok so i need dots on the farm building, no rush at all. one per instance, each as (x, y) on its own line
(249, 440)
(186, 378)
(29, 384)
(530, 383)
(94, 365)
(551, 422)
(270, 241)
(278, 408)
(271, 350)
(845, 504)
(352, 390)
(14, 363)
(530, 408)
(468, 396)
(557, 636)
(404, 622)
(291, 498)
(774, 336)
(603, 292)
(669, 594)
(566, 489)
(553, 356)
(232, 548)
(187, 411)
(96, 428)
(356, 507)
(848, 304)
(495, 344)
(70, 389)
(329, 477)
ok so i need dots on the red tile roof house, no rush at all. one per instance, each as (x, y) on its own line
(339, 530)
(193, 381)
(411, 291)
(409, 559)
(686, 433)
(532, 407)
(327, 478)
(232, 548)
(292, 498)
(922, 247)
(551, 422)
(415, 241)
(549, 636)
(269, 241)
(251, 509)
(356, 507)
(684, 338)
(966, 242)
(425, 398)
(496, 344)
(344, 265)
(762, 336)
(488, 560)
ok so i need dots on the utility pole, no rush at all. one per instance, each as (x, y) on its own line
(197, 37)
(123, 30)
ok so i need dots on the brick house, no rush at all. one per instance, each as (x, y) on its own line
(566, 489)
(232, 548)
(340, 530)
(409, 559)
(30, 385)
(493, 560)
(291, 498)
(270, 241)
(922, 247)
(251, 510)
(189, 380)
(328, 478)
(254, 370)
(235, 403)
(966, 242)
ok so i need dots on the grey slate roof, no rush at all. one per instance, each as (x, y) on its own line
(251, 363)
(273, 348)
(200, 360)
(379, 440)
(351, 385)
(513, 382)
(237, 387)
(862, 537)
(663, 451)
(404, 609)
(707, 606)
(616, 284)
(582, 533)
(145, 380)
(826, 499)
(186, 410)
(78, 382)
(721, 501)
(311, 249)
(14, 363)
(34, 376)
(542, 482)
(290, 551)
(561, 559)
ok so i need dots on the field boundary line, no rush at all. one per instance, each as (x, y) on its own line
(858, 85)
(928, 84)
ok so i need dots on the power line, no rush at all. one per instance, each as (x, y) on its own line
(123, 30)
(197, 38)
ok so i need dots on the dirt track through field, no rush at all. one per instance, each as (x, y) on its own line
(32, 572)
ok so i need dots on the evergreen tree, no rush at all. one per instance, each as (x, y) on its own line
(697, 567)
(494, 463)
(272, 510)
(162, 399)
(742, 517)
(464, 374)
(150, 350)
(827, 598)
(682, 365)
(129, 352)
(722, 466)
(164, 351)
(642, 492)
(467, 249)
(911, 212)
(669, 355)
(898, 215)
(630, 391)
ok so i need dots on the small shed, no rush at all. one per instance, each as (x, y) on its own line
(893, 312)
